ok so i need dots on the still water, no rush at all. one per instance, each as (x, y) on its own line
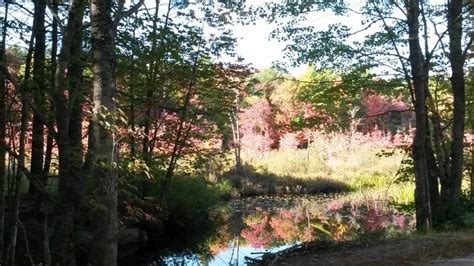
(250, 227)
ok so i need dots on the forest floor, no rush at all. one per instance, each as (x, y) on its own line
(455, 248)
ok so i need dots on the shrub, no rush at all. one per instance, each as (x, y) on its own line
(189, 198)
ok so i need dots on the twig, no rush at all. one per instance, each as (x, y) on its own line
(37, 183)
(27, 246)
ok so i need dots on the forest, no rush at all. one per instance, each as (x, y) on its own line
(134, 133)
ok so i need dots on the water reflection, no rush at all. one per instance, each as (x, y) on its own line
(273, 224)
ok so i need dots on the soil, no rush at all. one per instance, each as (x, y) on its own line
(456, 248)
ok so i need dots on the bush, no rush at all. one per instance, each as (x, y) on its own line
(189, 199)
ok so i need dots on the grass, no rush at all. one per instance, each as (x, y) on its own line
(337, 155)
(249, 182)
(334, 162)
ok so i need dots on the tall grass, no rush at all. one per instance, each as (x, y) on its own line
(339, 156)
(365, 163)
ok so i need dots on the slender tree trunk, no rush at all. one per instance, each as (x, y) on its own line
(236, 141)
(151, 82)
(132, 119)
(50, 138)
(156, 54)
(68, 182)
(54, 50)
(456, 58)
(422, 200)
(37, 146)
(9, 258)
(433, 177)
(104, 251)
(16, 202)
(178, 143)
(3, 128)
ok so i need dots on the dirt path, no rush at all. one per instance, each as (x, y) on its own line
(468, 260)
(438, 249)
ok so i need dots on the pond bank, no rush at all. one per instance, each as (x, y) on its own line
(453, 248)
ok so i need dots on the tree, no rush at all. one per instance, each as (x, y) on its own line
(3, 127)
(67, 119)
(451, 191)
(104, 144)
(38, 89)
(437, 159)
(183, 85)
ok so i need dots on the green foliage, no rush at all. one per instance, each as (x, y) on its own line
(190, 198)
(456, 215)
(367, 182)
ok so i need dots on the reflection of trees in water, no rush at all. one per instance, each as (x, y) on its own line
(267, 227)
(337, 221)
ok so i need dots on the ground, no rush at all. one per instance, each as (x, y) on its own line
(439, 249)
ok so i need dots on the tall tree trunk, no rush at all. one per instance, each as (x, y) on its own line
(50, 136)
(68, 182)
(37, 146)
(9, 258)
(16, 202)
(456, 58)
(151, 82)
(236, 139)
(3, 127)
(104, 251)
(156, 56)
(54, 50)
(422, 200)
(181, 133)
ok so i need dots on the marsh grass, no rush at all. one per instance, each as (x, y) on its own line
(333, 162)
(250, 182)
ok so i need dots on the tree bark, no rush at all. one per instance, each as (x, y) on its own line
(9, 258)
(420, 82)
(68, 189)
(54, 50)
(453, 191)
(156, 54)
(3, 124)
(37, 146)
(11, 250)
(151, 82)
(104, 251)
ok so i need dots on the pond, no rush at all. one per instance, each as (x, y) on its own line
(248, 228)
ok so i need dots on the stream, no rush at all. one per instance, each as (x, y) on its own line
(253, 226)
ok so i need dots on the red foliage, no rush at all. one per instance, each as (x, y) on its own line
(258, 232)
(379, 109)
(257, 127)
(265, 127)
(285, 225)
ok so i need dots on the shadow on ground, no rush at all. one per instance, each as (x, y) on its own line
(249, 182)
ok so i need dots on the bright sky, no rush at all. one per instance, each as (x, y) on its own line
(255, 46)
(257, 49)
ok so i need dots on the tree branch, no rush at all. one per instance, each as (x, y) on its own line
(121, 14)
(35, 181)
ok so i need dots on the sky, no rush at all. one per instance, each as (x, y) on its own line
(255, 46)
(257, 49)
